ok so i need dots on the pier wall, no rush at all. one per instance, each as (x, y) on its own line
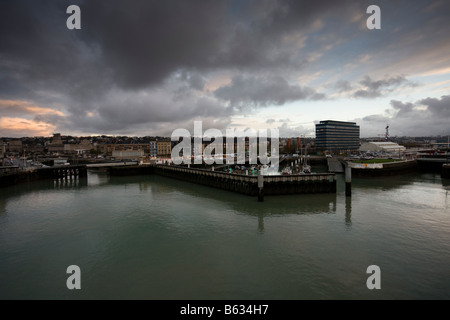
(54, 173)
(445, 173)
(384, 169)
(131, 170)
(431, 164)
(244, 184)
(273, 185)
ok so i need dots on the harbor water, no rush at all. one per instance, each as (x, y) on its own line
(150, 237)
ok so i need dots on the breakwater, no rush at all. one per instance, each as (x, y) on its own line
(272, 185)
(54, 173)
(445, 173)
(244, 184)
(383, 169)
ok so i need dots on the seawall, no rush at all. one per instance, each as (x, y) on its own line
(273, 185)
(445, 173)
(55, 173)
(384, 169)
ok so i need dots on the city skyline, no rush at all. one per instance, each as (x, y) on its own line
(146, 68)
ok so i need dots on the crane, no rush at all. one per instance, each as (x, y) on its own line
(386, 134)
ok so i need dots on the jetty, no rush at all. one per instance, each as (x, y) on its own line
(69, 172)
(251, 185)
(246, 184)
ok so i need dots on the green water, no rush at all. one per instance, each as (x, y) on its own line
(156, 238)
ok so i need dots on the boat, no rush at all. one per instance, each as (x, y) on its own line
(306, 168)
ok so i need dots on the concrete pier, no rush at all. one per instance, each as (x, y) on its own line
(272, 185)
(348, 181)
(51, 173)
(260, 187)
(445, 173)
(335, 165)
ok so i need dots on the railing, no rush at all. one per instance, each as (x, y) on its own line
(252, 179)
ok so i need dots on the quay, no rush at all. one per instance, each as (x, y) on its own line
(383, 169)
(445, 173)
(68, 172)
(245, 184)
(335, 165)
(110, 164)
(433, 163)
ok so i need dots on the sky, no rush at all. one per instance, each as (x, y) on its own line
(146, 68)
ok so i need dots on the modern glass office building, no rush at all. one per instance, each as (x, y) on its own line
(337, 135)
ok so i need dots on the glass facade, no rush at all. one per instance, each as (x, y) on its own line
(337, 135)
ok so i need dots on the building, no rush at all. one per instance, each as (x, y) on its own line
(2, 152)
(387, 146)
(15, 146)
(153, 149)
(85, 146)
(337, 135)
(35, 148)
(57, 138)
(56, 146)
(128, 154)
(164, 148)
(108, 148)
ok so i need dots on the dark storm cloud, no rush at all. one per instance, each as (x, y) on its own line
(401, 108)
(428, 116)
(196, 82)
(438, 107)
(145, 41)
(138, 45)
(42, 61)
(343, 86)
(122, 109)
(377, 88)
(147, 63)
(263, 91)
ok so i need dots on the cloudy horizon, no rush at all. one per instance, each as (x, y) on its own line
(146, 68)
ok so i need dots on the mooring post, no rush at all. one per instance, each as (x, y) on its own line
(260, 187)
(348, 181)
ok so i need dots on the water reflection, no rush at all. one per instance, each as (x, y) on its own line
(68, 183)
(348, 211)
(61, 184)
(239, 204)
(261, 223)
(303, 204)
(2, 206)
(211, 246)
(385, 183)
